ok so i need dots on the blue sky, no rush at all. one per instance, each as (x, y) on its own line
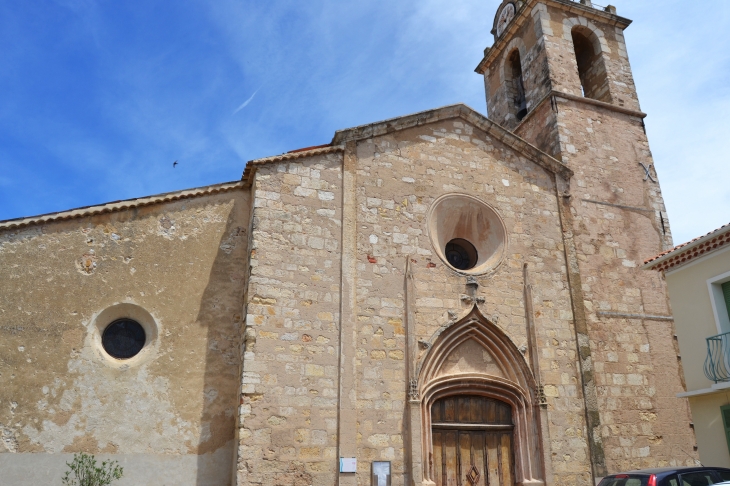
(99, 97)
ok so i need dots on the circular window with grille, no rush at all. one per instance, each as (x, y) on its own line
(467, 234)
(123, 338)
(125, 335)
(461, 254)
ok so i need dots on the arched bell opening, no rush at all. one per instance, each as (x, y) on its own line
(515, 83)
(591, 65)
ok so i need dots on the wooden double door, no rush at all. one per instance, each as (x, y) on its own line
(472, 442)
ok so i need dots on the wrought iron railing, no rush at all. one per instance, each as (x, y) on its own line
(717, 363)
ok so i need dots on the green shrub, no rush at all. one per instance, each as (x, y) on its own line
(84, 471)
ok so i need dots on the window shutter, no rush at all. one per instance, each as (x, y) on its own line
(725, 411)
(726, 293)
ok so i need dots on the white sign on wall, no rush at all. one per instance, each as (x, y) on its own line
(348, 464)
(381, 473)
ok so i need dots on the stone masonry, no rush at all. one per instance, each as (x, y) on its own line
(308, 312)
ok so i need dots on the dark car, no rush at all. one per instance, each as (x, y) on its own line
(669, 476)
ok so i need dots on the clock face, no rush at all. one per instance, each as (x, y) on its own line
(505, 17)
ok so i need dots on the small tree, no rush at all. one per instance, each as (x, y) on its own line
(85, 472)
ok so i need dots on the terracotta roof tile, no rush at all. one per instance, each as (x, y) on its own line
(690, 250)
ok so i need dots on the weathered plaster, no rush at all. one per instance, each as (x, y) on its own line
(183, 263)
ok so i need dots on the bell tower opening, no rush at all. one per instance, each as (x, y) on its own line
(591, 68)
(516, 85)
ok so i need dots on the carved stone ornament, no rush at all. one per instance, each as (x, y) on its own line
(413, 390)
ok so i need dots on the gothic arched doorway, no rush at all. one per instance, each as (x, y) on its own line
(472, 442)
(473, 358)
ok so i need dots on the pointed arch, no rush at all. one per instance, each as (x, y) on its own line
(514, 385)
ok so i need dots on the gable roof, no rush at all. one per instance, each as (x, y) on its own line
(465, 113)
(681, 254)
(362, 132)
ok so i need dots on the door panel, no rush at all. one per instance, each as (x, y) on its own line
(506, 465)
(437, 459)
(467, 449)
(465, 454)
(479, 456)
(493, 459)
(450, 460)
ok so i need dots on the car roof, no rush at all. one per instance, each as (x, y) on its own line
(662, 471)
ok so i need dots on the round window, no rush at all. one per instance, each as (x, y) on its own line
(123, 338)
(467, 234)
(461, 254)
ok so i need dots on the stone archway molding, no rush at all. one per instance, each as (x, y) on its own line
(515, 387)
(598, 38)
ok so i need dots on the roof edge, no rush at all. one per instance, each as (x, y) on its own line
(115, 206)
(464, 112)
(250, 170)
(681, 254)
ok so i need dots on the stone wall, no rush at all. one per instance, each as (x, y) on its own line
(619, 221)
(607, 36)
(402, 175)
(182, 262)
(290, 427)
(529, 42)
(614, 218)
(288, 414)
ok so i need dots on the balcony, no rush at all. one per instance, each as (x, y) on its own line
(717, 363)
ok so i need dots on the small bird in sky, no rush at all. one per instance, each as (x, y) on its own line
(174, 164)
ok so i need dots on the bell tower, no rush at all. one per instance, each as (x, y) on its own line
(558, 76)
(558, 47)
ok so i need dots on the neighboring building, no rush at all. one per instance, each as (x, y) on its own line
(698, 279)
(455, 297)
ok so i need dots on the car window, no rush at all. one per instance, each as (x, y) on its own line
(625, 480)
(671, 481)
(724, 475)
(703, 478)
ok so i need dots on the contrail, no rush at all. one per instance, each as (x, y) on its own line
(245, 103)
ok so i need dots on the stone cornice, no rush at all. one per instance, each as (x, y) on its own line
(579, 99)
(116, 206)
(465, 113)
(491, 53)
(601, 104)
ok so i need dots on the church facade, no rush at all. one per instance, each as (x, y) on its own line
(441, 298)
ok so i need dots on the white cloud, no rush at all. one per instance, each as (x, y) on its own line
(245, 103)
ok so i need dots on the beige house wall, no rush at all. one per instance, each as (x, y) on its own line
(693, 312)
(697, 317)
(169, 416)
(711, 439)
